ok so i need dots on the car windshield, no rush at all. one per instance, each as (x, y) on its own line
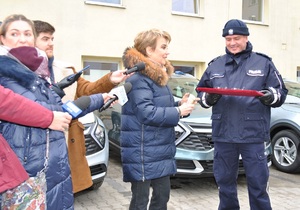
(182, 85)
(294, 88)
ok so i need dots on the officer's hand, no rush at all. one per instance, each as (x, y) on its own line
(212, 98)
(69, 80)
(267, 98)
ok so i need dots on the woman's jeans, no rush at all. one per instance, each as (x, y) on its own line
(160, 194)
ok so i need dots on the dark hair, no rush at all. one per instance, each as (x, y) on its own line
(43, 27)
(12, 18)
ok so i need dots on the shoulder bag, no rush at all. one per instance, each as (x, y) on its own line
(31, 194)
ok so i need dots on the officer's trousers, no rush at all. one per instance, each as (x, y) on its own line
(226, 164)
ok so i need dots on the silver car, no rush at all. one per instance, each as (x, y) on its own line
(285, 131)
(194, 145)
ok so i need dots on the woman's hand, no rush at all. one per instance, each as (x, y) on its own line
(118, 76)
(61, 121)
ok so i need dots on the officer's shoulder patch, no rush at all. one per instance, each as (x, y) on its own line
(213, 60)
(264, 55)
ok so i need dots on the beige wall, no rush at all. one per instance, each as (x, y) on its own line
(103, 32)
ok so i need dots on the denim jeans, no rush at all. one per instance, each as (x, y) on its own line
(160, 194)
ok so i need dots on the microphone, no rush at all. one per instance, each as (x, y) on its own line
(138, 67)
(126, 87)
(74, 108)
(69, 78)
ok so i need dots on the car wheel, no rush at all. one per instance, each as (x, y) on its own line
(285, 155)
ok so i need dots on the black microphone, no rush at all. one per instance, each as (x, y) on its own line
(74, 108)
(127, 87)
(70, 77)
(138, 67)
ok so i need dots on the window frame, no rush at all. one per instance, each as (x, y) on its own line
(99, 61)
(98, 2)
(264, 14)
(199, 8)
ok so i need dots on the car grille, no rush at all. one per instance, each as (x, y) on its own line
(189, 165)
(91, 145)
(207, 166)
(194, 136)
(98, 169)
(197, 142)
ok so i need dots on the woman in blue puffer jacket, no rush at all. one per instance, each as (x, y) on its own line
(148, 120)
(24, 70)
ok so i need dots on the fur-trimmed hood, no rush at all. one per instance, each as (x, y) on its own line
(12, 69)
(161, 77)
(23, 64)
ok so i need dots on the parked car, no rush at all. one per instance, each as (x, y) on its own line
(97, 148)
(194, 145)
(285, 131)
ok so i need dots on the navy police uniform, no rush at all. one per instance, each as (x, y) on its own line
(241, 124)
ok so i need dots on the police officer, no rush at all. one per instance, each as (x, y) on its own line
(241, 124)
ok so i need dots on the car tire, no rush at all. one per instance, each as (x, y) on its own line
(96, 186)
(285, 151)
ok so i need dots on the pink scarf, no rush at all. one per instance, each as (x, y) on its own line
(32, 59)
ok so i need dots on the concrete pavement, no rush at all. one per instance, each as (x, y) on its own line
(188, 194)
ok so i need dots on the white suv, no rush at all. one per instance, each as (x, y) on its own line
(96, 143)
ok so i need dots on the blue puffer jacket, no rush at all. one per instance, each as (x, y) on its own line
(147, 123)
(242, 119)
(29, 143)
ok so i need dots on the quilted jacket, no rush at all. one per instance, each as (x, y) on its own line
(29, 143)
(17, 109)
(147, 122)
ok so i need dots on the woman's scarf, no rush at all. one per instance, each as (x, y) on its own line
(34, 59)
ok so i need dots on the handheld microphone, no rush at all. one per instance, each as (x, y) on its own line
(138, 67)
(80, 72)
(74, 108)
(127, 86)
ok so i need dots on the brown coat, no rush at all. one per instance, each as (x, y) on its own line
(81, 175)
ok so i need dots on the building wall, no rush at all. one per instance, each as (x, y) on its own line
(103, 32)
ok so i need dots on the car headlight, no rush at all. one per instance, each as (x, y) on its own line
(99, 134)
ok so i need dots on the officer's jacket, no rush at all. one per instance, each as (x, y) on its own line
(242, 119)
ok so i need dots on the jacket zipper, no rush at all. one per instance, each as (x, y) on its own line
(142, 153)
(26, 146)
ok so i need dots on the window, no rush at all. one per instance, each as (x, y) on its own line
(186, 6)
(105, 2)
(253, 10)
(298, 74)
(98, 69)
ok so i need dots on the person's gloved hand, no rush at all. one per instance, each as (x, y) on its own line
(65, 82)
(69, 80)
(267, 98)
(212, 98)
(58, 91)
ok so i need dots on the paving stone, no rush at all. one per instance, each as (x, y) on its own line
(188, 193)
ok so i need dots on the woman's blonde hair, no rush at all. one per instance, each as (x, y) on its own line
(149, 39)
